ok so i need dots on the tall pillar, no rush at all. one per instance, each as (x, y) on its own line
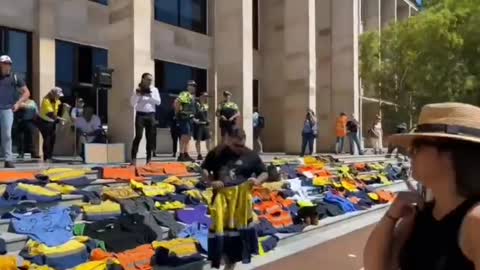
(345, 74)
(272, 47)
(300, 69)
(234, 56)
(325, 109)
(389, 12)
(43, 53)
(130, 55)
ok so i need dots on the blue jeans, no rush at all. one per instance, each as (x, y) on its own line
(354, 140)
(6, 123)
(339, 145)
(307, 139)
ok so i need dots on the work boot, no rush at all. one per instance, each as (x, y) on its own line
(181, 157)
(189, 158)
(200, 157)
(9, 165)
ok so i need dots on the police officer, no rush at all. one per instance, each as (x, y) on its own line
(201, 131)
(228, 113)
(185, 110)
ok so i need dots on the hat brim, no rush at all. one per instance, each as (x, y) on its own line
(405, 140)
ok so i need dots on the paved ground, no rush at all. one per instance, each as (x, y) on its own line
(343, 253)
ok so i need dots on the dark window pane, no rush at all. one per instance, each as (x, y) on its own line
(103, 2)
(18, 51)
(167, 11)
(100, 58)
(64, 62)
(256, 94)
(255, 24)
(84, 69)
(193, 15)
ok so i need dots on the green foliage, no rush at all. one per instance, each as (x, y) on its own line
(432, 57)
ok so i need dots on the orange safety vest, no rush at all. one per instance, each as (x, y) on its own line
(341, 128)
(279, 219)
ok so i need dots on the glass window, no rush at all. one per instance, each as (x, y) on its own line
(188, 14)
(17, 49)
(65, 66)
(75, 65)
(255, 24)
(103, 2)
(167, 11)
(171, 79)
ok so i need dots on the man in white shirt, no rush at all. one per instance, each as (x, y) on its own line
(145, 98)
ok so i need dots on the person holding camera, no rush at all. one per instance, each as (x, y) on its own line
(144, 99)
(309, 132)
(201, 130)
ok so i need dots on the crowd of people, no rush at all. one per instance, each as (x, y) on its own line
(189, 119)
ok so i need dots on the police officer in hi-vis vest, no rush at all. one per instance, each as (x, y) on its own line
(201, 125)
(228, 113)
(185, 110)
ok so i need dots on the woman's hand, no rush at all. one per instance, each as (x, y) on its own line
(405, 204)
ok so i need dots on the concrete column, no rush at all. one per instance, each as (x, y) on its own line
(234, 56)
(372, 14)
(272, 47)
(325, 109)
(130, 54)
(300, 69)
(345, 74)
(389, 12)
(403, 10)
(43, 53)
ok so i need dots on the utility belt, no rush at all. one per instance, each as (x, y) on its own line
(139, 113)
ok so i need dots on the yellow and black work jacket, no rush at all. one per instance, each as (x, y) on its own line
(187, 106)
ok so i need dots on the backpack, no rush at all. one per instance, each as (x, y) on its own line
(261, 122)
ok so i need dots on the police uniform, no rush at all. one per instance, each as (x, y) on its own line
(186, 113)
(227, 109)
(201, 130)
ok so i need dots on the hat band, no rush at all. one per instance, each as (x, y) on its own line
(448, 129)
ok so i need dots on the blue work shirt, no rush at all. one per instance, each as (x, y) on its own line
(9, 90)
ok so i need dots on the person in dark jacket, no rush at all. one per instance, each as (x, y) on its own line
(352, 129)
(401, 128)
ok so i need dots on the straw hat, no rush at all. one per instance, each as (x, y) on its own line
(450, 120)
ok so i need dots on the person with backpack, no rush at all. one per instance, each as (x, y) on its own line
(309, 132)
(10, 86)
(258, 126)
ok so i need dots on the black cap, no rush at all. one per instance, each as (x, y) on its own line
(192, 82)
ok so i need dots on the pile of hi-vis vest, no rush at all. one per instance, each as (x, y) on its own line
(161, 214)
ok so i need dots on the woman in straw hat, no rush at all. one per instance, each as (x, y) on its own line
(442, 234)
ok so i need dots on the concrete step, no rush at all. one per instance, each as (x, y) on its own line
(14, 242)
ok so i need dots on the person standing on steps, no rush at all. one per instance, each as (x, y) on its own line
(50, 111)
(309, 132)
(228, 113)
(174, 133)
(26, 117)
(185, 112)
(201, 125)
(145, 98)
(258, 126)
(352, 128)
(10, 86)
(341, 132)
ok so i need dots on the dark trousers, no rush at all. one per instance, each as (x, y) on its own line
(144, 121)
(25, 143)
(175, 133)
(48, 131)
(307, 139)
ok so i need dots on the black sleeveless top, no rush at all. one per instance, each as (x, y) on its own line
(434, 244)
